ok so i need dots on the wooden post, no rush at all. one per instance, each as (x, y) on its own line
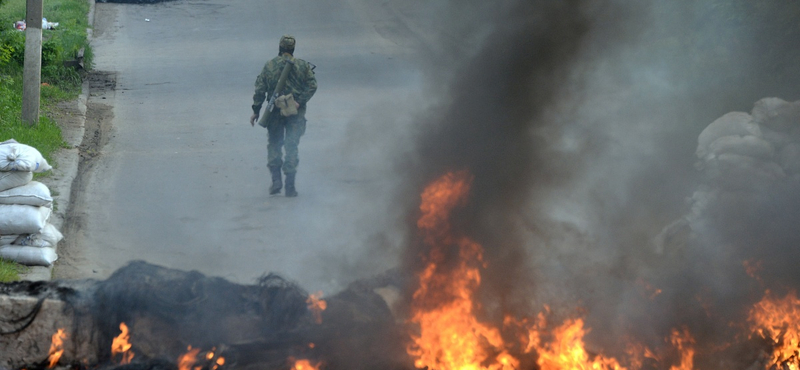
(32, 70)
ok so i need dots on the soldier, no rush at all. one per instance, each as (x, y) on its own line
(295, 79)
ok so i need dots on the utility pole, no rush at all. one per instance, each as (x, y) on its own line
(32, 70)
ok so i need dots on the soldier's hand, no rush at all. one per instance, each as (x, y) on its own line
(253, 119)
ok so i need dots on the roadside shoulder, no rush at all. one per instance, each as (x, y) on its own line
(72, 124)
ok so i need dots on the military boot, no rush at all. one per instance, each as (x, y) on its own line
(277, 184)
(290, 190)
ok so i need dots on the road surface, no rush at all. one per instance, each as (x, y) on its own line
(175, 175)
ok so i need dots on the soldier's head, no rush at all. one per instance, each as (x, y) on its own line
(286, 45)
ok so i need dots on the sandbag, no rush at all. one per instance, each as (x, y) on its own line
(13, 179)
(48, 237)
(734, 123)
(789, 158)
(20, 157)
(749, 145)
(739, 172)
(33, 193)
(776, 139)
(777, 114)
(30, 256)
(22, 219)
(8, 239)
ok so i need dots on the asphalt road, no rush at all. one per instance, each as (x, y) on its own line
(182, 181)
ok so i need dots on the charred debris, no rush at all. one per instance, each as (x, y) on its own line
(261, 326)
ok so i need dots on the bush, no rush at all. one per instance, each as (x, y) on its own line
(5, 54)
(13, 43)
(51, 53)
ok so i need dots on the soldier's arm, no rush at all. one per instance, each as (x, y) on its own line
(310, 87)
(262, 86)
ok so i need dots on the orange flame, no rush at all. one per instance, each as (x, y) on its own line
(213, 361)
(637, 353)
(450, 335)
(188, 359)
(684, 342)
(56, 347)
(775, 319)
(567, 351)
(121, 345)
(316, 305)
(305, 365)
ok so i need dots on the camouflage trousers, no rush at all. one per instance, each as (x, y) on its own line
(285, 133)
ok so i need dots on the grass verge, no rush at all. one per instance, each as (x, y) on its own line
(59, 82)
(9, 271)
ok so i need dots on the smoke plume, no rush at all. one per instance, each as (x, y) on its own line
(579, 122)
(489, 127)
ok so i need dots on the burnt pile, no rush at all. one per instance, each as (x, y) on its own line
(150, 317)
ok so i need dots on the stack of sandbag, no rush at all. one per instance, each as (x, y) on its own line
(743, 155)
(747, 160)
(25, 207)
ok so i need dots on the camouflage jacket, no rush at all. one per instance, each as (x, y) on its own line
(301, 82)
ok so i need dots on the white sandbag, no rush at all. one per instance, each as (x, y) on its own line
(777, 139)
(13, 179)
(8, 239)
(30, 256)
(789, 158)
(739, 172)
(734, 123)
(33, 193)
(742, 145)
(22, 219)
(20, 157)
(48, 237)
(777, 114)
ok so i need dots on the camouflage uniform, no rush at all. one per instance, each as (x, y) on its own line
(284, 131)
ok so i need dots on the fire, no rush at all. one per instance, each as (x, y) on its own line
(189, 360)
(305, 365)
(450, 336)
(637, 353)
(775, 319)
(567, 351)
(121, 345)
(683, 341)
(56, 348)
(316, 305)
(213, 361)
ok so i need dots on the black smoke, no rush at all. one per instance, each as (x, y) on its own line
(579, 122)
(488, 126)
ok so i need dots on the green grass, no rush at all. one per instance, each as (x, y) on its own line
(9, 271)
(46, 136)
(60, 83)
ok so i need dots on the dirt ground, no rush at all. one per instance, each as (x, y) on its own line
(97, 128)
